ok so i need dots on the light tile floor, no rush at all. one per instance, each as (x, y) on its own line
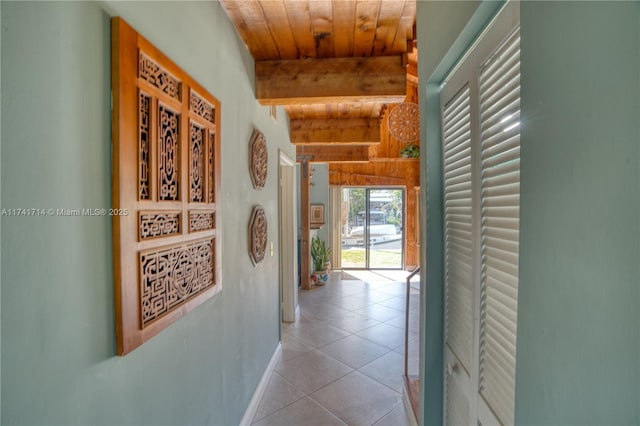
(342, 360)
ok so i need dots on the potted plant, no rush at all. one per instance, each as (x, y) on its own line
(320, 256)
(410, 151)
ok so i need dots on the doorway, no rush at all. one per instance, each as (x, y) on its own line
(287, 239)
(372, 228)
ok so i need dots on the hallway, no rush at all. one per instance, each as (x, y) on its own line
(342, 360)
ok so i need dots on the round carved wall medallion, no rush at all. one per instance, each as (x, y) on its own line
(257, 235)
(404, 122)
(258, 159)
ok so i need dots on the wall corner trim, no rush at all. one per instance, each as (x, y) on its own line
(261, 388)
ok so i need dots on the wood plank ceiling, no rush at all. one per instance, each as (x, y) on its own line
(337, 66)
(333, 64)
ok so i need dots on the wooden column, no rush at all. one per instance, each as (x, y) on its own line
(411, 251)
(305, 227)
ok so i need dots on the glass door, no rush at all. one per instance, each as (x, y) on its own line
(385, 228)
(372, 228)
(353, 253)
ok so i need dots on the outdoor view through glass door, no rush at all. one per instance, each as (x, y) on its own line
(372, 228)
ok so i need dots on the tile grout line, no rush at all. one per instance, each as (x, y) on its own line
(327, 300)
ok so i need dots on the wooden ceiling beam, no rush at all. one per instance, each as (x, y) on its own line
(333, 153)
(335, 131)
(304, 81)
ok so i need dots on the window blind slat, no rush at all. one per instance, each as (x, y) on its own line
(502, 252)
(506, 200)
(452, 113)
(508, 170)
(502, 162)
(457, 403)
(456, 136)
(501, 107)
(457, 204)
(501, 355)
(501, 92)
(501, 212)
(497, 190)
(460, 231)
(504, 179)
(453, 164)
(509, 51)
(461, 144)
(454, 156)
(501, 222)
(499, 362)
(498, 140)
(503, 319)
(499, 85)
(503, 281)
(458, 220)
(459, 191)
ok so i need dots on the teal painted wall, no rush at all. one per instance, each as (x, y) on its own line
(579, 298)
(440, 25)
(319, 194)
(58, 364)
(0, 225)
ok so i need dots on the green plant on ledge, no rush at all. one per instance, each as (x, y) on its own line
(320, 254)
(410, 151)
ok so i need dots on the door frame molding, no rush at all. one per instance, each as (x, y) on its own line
(288, 254)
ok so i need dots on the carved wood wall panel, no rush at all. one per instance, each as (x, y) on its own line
(258, 159)
(159, 224)
(196, 163)
(169, 161)
(257, 235)
(144, 127)
(159, 77)
(211, 161)
(170, 276)
(201, 107)
(201, 221)
(166, 168)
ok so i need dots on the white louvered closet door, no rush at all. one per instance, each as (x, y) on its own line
(499, 91)
(458, 256)
(481, 180)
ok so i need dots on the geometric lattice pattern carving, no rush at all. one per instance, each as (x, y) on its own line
(172, 276)
(201, 107)
(158, 77)
(210, 168)
(166, 174)
(196, 163)
(257, 235)
(404, 122)
(144, 128)
(258, 158)
(159, 225)
(168, 158)
(201, 221)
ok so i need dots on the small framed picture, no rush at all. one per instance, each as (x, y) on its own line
(317, 214)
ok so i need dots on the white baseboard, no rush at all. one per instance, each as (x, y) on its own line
(261, 388)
